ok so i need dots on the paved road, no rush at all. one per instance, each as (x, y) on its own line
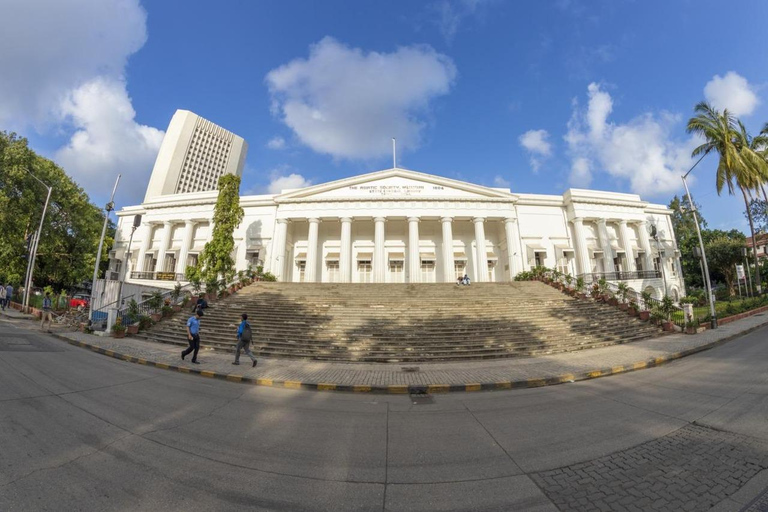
(80, 431)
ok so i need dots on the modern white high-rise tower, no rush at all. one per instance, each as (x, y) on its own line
(195, 153)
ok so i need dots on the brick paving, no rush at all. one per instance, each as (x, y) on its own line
(378, 374)
(692, 468)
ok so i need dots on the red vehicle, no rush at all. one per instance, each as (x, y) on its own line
(80, 301)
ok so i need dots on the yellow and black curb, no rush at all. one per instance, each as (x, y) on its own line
(414, 388)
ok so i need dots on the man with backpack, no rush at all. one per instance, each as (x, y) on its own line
(244, 337)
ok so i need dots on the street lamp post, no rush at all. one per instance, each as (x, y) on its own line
(136, 224)
(109, 207)
(35, 243)
(655, 235)
(744, 253)
(708, 282)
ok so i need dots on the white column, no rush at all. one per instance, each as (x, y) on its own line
(186, 244)
(379, 255)
(605, 243)
(414, 256)
(626, 243)
(146, 241)
(278, 247)
(481, 254)
(345, 257)
(511, 232)
(645, 244)
(165, 243)
(448, 263)
(582, 251)
(310, 273)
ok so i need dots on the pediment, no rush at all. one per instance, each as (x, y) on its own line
(394, 184)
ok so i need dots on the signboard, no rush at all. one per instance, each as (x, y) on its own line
(166, 276)
(740, 272)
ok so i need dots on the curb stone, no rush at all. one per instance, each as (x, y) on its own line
(419, 388)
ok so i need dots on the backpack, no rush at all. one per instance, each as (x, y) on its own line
(247, 335)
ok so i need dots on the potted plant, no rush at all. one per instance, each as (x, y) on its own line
(633, 308)
(666, 307)
(595, 291)
(212, 287)
(132, 317)
(645, 313)
(166, 310)
(155, 302)
(623, 290)
(568, 282)
(580, 288)
(145, 322)
(691, 327)
(118, 330)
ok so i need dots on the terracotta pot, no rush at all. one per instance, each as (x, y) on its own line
(613, 302)
(668, 326)
(176, 308)
(645, 315)
(132, 329)
(118, 334)
(581, 295)
(690, 330)
(156, 317)
(623, 307)
(83, 326)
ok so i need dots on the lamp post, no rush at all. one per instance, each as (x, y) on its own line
(35, 243)
(708, 282)
(109, 207)
(744, 253)
(136, 224)
(655, 236)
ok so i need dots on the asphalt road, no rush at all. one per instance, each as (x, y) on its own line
(80, 431)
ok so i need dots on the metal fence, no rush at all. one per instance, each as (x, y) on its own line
(621, 276)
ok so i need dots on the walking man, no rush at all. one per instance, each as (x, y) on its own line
(2, 296)
(47, 312)
(8, 295)
(244, 337)
(193, 336)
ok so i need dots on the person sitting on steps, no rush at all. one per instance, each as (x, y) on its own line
(200, 304)
(465, 280)
(244, 337)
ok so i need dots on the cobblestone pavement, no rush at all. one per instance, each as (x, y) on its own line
(692, 468)
(517, 369)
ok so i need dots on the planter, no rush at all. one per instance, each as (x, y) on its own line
(176, 308)
(83, 326)
(645, 315)
(623, 307)
(668, 326)
(156, 317)
(613, 301)
(581, 295)
(132, 329)
(691, 330)
(633, 312)
(118, 334)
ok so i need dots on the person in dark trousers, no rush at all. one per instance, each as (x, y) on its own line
(200, 304)
(244, 338)
(47, 315)
(193, 336)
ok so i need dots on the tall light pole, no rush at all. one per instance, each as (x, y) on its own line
(136, 224)
(655, 235)
(109, 207)
(35, 243)
(708, 282)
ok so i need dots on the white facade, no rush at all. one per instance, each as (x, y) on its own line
(194, 154)
(396, 226)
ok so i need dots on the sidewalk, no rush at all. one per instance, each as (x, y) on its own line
(430, 377)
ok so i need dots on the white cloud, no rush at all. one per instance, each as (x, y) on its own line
(276, 143)
(451, 14)
(108, 140)
(536, 143)
(51, 47)
(733, 92)
(280, 182)
(641, 151)
(64, 66)
(347, 103)
(501, 182)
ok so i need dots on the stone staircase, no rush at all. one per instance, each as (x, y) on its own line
(408, 323)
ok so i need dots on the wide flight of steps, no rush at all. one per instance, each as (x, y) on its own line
(407, 323)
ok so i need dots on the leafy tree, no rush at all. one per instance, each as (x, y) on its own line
(723, 253)
(217, 260)
(72, 227)
(740, 165)
(687, 240)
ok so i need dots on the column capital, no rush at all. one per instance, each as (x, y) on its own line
(345, 220)
(622, 222)
(478, 219)
(167, 223)
(414, 219)
(190, 222)
(601, 220)
(379, 219)
(446, 219)
(578, 220)
(313, 220)
(283, 221)
(510, 220)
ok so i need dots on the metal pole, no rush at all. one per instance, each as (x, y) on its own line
(738, 279)
(712, 312)
(110, 205)
(394, 153)
(29, 266)
(749, 277)
(127, 261)
(34, 252)
(661, 264)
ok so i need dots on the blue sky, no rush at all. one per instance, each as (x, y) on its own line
(536, 96)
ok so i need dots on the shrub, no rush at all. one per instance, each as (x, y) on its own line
(155, 301)
(145, 322)
(667, 306)
(646, 296)
(118, 327)
(166, 310)
(580, 284)
(267, 276)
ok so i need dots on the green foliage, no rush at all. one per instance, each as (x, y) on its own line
(193, 276)
(623, 291)
(580, 284)
(666, 307)
(72, 225)
(118, 327)
(646, 296)
(212, 287)
(216, 259)
(133, 311)
(723, 253)
(155, 301)
(176, 292)
(267, 276)
(145, 322)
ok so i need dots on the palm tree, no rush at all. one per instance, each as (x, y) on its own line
(740, 166)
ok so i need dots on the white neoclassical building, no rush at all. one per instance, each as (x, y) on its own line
(401, 226)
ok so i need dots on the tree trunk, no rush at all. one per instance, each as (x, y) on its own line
(765, 196)
(757, 276)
